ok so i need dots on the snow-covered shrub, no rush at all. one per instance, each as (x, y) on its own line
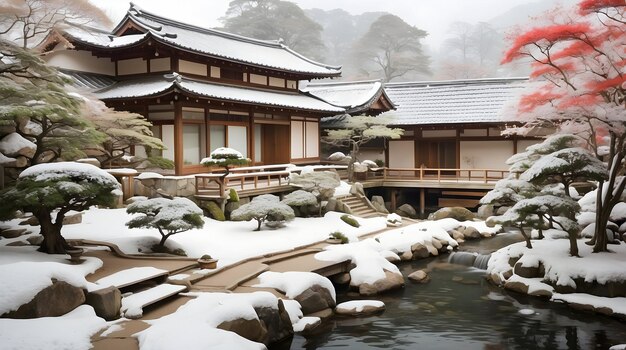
(337, 157)
(300, 199)
(369, 163)
(350, 220)
(168, 216)
(340, 236)
(265, 208)
(53, 189)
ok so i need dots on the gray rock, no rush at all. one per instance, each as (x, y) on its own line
(390, 282)
(13, 232)
(470, 233)
(276, 322)
(485, 211)
(342, 278)
(516, 287)
(54, 300)
(357, 188)
(406, 210)
(35, 240)
(32, 221)
(406, 256)
(331, 205)
(419, 251)
(419, 276)
(106, 302)
(251, 329)
(379, 203)
(456, 234)
(501, 210)
(458, 213)
(315, 298)
(526, 271)
(362, 310)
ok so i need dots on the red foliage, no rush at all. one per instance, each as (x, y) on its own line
(540, 69)
(614, 83)
(547, 35)
(579, 101)
(588, 6)
(530, 102)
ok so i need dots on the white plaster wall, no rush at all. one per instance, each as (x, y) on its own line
(215, 72)
(312, 140)
(132, 66)
(258, 79)
(297, 142)
(238, 139)
(168, 139)
(279, 82)
(401, 154)
(485, 154)
(160, 64)
(81, 61)
(192, 67)
(522, 144)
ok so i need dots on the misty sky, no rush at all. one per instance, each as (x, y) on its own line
(434, 16)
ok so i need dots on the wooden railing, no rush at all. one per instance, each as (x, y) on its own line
(439, 174)
(252, 178)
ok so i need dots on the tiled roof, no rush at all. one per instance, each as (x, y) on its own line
(264, 53)
(447, 102)
(156, 85)
(354, 96)
(89, 81)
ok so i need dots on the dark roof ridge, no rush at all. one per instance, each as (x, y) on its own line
(455, 82)
(344, 82)
(157, 18)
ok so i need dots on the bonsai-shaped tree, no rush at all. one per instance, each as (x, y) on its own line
(264, 208)
(357, 130)
(321, 184)
(520, 216)
(300, 199)
(225, 158)
(53, 189)
(169, 216)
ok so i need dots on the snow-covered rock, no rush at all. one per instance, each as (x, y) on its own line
(360, 307)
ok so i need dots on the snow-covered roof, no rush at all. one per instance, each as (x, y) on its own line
(264, 53)
(89, 81)
(157, 85)
(448, 102)
(354, 96)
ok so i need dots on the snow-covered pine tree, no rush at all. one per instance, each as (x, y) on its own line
(264, 208)
(52, 190)
(224, 157)
(168, 216)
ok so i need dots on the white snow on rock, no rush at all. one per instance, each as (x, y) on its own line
(6, 160)
(11, 144)
(149, 175)
(70, 331)
(22, 280)
(304, 322)
(618, 304)
(618, 347)
(359, 305)
(294, 309)
(293, 283)
(337, 156)
(193, 325)
(526, 312)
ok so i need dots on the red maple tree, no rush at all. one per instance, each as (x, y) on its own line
(578, 84)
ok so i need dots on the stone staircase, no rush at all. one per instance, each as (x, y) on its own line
(359, 206)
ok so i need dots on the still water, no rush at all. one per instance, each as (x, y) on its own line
(458, 309)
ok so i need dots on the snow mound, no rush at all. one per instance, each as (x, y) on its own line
(11, 144)
(359, 305)
(293, 283)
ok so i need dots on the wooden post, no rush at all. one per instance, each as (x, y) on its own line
(422, 200)
(178, 139)
(393, 200)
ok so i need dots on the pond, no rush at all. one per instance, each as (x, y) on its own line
(459, 309)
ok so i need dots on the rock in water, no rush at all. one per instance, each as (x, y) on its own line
(419, 276)
(360, 307)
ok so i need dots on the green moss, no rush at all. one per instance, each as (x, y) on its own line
(350, 220)
(214, 211)
(233, 196)
(340, 236)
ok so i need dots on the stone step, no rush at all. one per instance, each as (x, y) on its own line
(126, 279)
(132, 305)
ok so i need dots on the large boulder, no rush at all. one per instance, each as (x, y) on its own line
(516, 286)
(419, 251)
(458, 213)
(379, 203)
(54, 300)
(252, 329)
(106, 302)
(470, 232)
(485, 211)
(315, 298)
(13, 232)
(390, 282)
(526, 271)
(406, 210)
(276, 322)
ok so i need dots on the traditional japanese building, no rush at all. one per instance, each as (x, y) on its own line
(201, 88)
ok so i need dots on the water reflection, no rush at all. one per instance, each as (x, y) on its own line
(458, 309)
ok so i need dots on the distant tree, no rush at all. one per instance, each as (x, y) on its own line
(358, 130)
(460, 40)
(579, 85)
(168, 216)
(391, 48)
(275, 19)
(51, 190)
(321, 184)
(35, 104)
(28, 20)
(486, 43)
(265, 208)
